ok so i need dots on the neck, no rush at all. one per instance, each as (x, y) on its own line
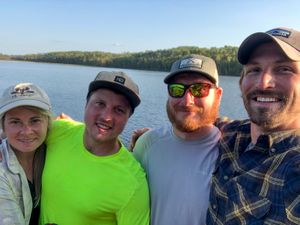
(256, 130)
(26, 161)
(101, 148)
(190, 136)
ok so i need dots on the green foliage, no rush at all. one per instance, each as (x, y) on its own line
(159, 60)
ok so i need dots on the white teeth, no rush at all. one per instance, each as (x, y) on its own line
(103, 126)
(264, 99)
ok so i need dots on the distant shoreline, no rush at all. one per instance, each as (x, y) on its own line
(66, 64)
(160, 60)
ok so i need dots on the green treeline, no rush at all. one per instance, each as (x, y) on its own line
(159, 60)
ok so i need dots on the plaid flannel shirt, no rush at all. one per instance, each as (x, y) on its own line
(258, 184)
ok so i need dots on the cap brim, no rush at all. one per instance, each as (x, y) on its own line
(250, 43)
(201, 73)
(133, 98)
(23, 102)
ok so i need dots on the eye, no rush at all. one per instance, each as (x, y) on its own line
(13, 122)
(252, 70)
(36, 120)
(120, 110)
(100, 103)
(284, 69)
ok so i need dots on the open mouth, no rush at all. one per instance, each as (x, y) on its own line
(103, 126)
(266, 99)
(266, 96)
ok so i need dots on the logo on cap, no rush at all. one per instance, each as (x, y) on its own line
(190, 62)
(120, 80)
(279, 32)
(22, 91)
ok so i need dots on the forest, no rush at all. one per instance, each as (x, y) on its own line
(159, 60)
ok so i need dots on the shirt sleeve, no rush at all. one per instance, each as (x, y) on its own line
(137, 210)
(292, 192)
(141, 148)
(10, 210)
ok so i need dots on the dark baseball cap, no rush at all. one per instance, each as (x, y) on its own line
(203, 65)
(119, 82)
(286, 38)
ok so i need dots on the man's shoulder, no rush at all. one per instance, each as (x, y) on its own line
(130, 163)
(233, 125)
(63, 128)
(149, 141)
(65, 123)
(160, 132)
(155, 134)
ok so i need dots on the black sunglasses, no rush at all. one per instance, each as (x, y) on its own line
(198, 90)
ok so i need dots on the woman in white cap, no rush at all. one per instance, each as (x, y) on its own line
(25, 116)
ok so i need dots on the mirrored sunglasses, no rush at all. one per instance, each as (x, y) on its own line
(198, 90)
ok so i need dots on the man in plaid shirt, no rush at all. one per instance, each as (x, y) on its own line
(257, 178)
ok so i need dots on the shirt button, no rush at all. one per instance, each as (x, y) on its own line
(273, 150)
(226, 177)
(214, 206)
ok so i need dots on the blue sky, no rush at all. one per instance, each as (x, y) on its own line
(28, 26)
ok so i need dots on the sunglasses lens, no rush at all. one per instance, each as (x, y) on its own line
(200, 90)
(176, 90)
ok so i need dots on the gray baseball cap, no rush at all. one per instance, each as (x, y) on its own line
(117, 81)
(23, 94)
(286, 38)
(203, 65)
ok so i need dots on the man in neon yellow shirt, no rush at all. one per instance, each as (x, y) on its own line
(89, 176)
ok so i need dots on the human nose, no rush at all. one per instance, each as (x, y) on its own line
(26, 129)
(266, 80)
(106, 114)
(188, 98)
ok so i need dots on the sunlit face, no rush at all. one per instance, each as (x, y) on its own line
(189, 113)
(106, 115)
(25, 128)
(271, 88)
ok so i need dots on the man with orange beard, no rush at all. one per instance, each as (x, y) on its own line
(179, 159)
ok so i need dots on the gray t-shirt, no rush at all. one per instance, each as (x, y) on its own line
(179, 175)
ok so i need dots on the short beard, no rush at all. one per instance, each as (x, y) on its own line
(202, 118)
(264, 117)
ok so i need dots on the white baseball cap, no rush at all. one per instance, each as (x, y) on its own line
(23, 94)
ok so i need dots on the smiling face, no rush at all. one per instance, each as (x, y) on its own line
(189, 113)
(270, 86)
(25, 128)
(106, 115)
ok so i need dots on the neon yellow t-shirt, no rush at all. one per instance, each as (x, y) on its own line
(79, 188)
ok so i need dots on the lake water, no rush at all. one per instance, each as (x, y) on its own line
(67, 87)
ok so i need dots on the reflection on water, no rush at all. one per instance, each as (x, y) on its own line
(67, 86)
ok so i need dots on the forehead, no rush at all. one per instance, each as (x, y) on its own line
(190, 78)
(109, 96)
(22, 113)
(22, 110)
(268, 49)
